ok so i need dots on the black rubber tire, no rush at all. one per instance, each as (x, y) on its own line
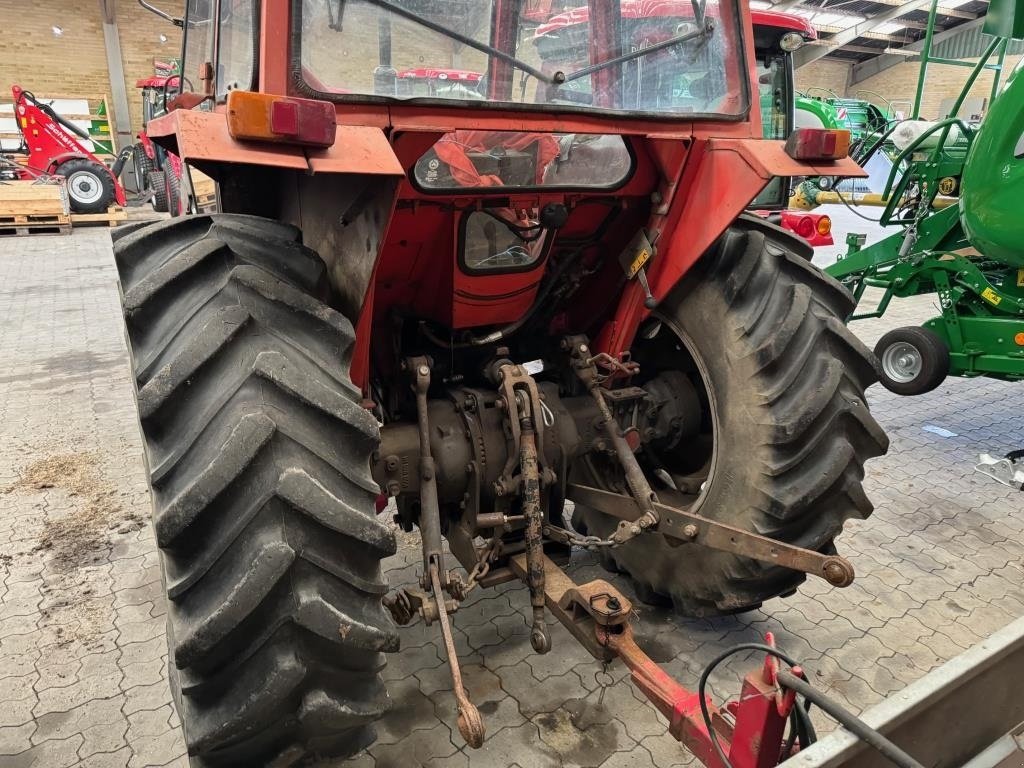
(172, 193)
(101, 177)
(158, 184)
(264, 506)
(143, 164)
(761, 330)
(934, 357)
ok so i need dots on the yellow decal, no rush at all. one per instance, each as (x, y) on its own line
(991, 297)
(638, 262)
(1020, 278)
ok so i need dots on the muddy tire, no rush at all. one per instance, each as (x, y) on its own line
(785, 429)
(258, 451)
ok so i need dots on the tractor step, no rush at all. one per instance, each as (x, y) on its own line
(114, 216)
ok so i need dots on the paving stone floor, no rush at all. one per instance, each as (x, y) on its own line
(82, 654)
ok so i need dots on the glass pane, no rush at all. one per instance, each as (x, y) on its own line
(773, 96)
(496, 241)
(512, 159)
(198, 43)
(237, 46)
(678, 57)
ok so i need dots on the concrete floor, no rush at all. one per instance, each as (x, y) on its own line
(82, 654)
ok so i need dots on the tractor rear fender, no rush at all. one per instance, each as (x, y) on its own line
(719, 179)
(147, 145)
(202, 138)
(341, 197)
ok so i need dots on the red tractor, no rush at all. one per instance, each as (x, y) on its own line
(54, 146)
(158, 171)
(472, 306)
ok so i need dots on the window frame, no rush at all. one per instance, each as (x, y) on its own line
(304, 88)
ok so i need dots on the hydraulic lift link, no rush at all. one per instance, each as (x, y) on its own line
(523, 406)
(584, 366)
(687, 526)
(435, 577)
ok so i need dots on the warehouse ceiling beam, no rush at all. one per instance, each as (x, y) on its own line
(955, 13)
(885, 37)
(908, 23)
(810, 53)
(872, 67)
(115, 73)
(849, 48)
(785, 5)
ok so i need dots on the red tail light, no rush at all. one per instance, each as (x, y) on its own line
(818, 144)
(805, 227)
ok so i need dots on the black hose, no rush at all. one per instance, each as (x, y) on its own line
(848, 720)
(702, 686)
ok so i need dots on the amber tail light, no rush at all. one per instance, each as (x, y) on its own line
(818, 144)
(283, 119)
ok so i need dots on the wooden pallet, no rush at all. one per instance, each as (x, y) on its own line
(31, 208)
(205, 190)
(34, 228)
(114, 216)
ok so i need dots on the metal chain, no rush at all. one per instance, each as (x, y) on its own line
(483, 566)
(565, 536)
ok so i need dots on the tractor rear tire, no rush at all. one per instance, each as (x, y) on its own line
(158, 184)
(913, 360)
(258, 450)
(90, 185)
(785, 430)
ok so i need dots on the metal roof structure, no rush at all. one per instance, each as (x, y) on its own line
(870, 33)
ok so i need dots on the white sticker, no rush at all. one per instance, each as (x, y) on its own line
(534, 367)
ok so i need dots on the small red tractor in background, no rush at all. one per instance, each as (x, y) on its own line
(158, 171)
(478, 304)
(54, 146)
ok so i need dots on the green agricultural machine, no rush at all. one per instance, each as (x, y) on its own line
(969, 254)
(870, 125)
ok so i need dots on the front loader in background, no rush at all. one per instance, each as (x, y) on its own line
(479, 303)
(967, 251)
(53, 145)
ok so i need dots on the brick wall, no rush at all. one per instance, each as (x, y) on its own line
(823, 73)
(74, 63)
(899, 83)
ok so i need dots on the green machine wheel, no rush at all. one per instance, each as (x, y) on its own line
(912, 360)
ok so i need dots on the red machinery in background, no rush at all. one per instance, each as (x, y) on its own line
(158, 171)
(54, 146)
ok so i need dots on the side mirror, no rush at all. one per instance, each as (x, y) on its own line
(162, 14)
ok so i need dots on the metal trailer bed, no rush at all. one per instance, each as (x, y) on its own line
(967, 713)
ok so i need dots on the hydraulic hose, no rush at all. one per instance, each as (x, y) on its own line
(848, 720)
